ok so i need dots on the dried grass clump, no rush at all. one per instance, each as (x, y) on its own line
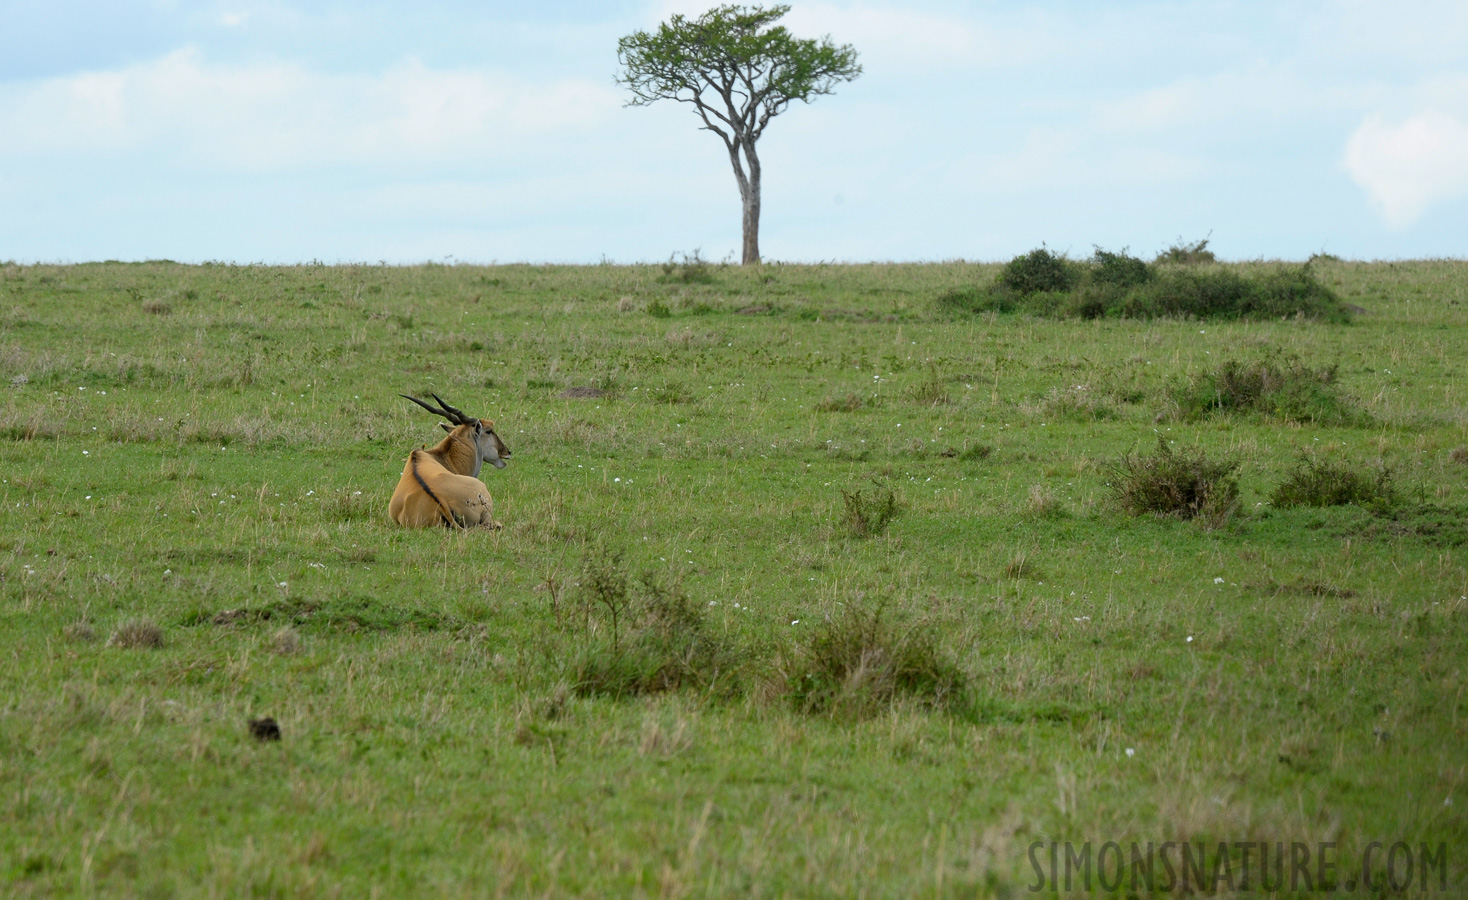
(849, 403)
(286, 642)
(80, 632)
(137, 634)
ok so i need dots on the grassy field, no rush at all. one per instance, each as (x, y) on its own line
(197, 462)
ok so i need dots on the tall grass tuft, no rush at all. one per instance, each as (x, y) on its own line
(859, 662)
(1185, 484)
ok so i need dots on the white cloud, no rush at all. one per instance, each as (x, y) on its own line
(908, 37)
(1409, 166)
(270, 116)
(905, 36)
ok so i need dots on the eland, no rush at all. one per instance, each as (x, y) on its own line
(440, 484)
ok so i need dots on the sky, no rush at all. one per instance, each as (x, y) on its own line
(478, 132)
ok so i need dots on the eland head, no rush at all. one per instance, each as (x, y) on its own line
(479, 433)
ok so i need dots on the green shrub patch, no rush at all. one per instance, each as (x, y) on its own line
(1282, 388)
(1184, 483)
(1117, 285)
(1320, 482)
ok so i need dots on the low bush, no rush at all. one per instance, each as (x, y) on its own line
(644, 637)
(1037, 271)
(1119, 269)
(1283, 388)
(1185, 484)
(1185, 254)
(1319, 482)
(859, 663)
(683, 268)
(868, 514)
(1223, 294)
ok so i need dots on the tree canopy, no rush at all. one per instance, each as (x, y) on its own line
(754, 67)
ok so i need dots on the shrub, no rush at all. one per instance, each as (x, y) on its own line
(1315, 482)
(866, 515)
(859, 662)
(658, 309)
(1181, 483)
(1038, 270)
(1185, 254)
(643, 637)
(688, 270)
(1119, 269)
(1283, 388)
(1120, 285)
(1223, 294)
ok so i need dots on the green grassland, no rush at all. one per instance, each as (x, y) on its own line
(202, 456)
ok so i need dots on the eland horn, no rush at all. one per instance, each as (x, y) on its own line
(448, 412)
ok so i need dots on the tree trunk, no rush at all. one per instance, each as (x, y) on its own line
(750, 195)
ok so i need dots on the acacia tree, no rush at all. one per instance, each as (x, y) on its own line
(739, 70)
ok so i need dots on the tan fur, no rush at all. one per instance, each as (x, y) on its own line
(437, 487)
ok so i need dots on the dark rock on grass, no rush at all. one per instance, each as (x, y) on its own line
(265, 729)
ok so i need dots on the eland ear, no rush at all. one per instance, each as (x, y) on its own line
(445, 426)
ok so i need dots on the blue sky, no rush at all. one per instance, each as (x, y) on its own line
(288, 131)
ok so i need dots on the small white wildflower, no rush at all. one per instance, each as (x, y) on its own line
(282, 584)
(1130, 752)
(1218, 581)
(616, 479)
(1190, 639)
(167, 571)
(794, 621)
